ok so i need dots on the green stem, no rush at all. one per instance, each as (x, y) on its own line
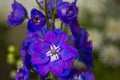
(54, 14)
(39, 5)
(46, 13)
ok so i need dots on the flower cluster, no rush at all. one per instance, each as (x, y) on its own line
(48, 49)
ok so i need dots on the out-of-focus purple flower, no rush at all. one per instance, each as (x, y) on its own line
(66, 11)
(80, 40)
(31, 37)
(51, 4)
(22, 73)
(53, 54)
(18, 14)
(37, 21)
(79, 75)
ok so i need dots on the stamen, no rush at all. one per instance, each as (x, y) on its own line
(53, 52)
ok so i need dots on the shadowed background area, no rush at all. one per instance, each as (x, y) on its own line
(101, 18)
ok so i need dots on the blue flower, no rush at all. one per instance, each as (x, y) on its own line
(79, 75)
(51, 4)
(82, 44)
(66, 11)
(37, 21)
(53, 54)
(22, 73)
(18, 14)
(31, 37)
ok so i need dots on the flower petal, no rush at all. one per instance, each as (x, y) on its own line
(50, 37)
(61, 39)
(43, 69)
(39, 59)
(56, 67)
(39, 46)
(37, 21)
(68, 52)
(18, 14)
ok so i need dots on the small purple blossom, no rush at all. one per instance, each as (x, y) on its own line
(79, 75)
(53, 54)
(81, 42)
(22, 73)
(18, 14)
(51, 4)
(66, 11)
(37, 21)
(31, 37)
(45, 50)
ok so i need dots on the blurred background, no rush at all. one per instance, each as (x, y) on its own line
(100, 17)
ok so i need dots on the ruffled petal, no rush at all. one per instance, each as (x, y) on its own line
(39, 59)
(50, 37)
(68, 52)
(39, 47)
(61, 39)
(43, 69)
(37, 21)
(18, 14)
(56, 67)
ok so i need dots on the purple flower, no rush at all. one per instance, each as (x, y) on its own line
(51, 4)
(37, 21)
(22, 73)
(18, 14)
(31, 37)
(79, 75)
(66, 11)
(53, 54)
(82, 44)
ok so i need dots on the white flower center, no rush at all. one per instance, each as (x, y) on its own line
(53, 52)
(78, 77)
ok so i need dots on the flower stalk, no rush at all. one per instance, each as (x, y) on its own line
(46, 14)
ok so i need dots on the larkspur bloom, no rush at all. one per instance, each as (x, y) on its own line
(82, 44)
(79, 75)
(37, 21)
(48, 51)
(31, 37)
(53, 54)
(79, 35)
(85, 48)
(51, 4)
(66, 11)
(22, 73)
(18, 14)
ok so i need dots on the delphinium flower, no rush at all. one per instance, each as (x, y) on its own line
(22, 73)
(37, 21)
(31, 37)
(53, 54)
(18, 14)
(26, 64)
(67, 11)
(48, 50)
(79, 75)
(79, 34)
(51, 4)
